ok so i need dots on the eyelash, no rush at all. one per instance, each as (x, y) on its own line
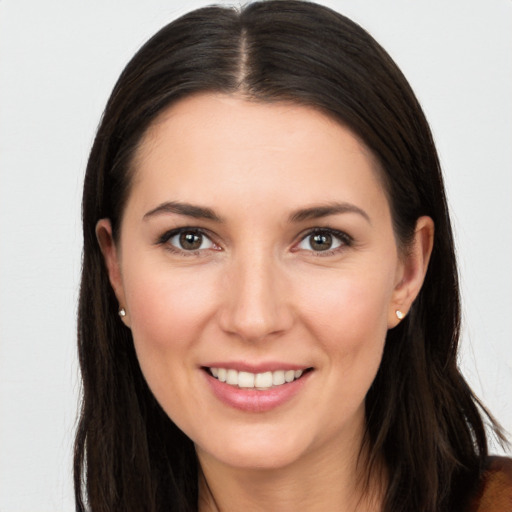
(344, 239)
(168, 235)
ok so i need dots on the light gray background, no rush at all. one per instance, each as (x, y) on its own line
(58, 63)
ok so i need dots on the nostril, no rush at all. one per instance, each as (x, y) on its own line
(254, 323)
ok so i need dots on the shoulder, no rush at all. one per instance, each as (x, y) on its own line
(495, 491)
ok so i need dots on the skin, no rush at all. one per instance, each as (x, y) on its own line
(257, 291)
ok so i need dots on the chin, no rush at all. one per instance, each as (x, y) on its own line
(257, 452)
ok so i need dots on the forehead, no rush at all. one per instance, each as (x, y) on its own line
(257, 122)
(211, 144)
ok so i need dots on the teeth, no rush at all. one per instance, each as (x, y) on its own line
(245, 379)
(278, 378)
(232, 378)
(263, 380)
(259, 381)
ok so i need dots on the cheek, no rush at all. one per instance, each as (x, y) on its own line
(167, 308)
(348, 317)
(349, 305)
(168, 311)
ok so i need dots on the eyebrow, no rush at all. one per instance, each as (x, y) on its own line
(301, 215)
(187, 209)
(319, 211)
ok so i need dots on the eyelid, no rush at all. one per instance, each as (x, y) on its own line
(171, 233)
(345, 239)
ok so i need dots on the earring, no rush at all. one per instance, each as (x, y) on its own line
(399, 314)
(122, 312)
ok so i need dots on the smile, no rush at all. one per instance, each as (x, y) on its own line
(257, 391)
(259, 381)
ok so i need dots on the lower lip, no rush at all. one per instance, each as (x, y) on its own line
(253, 400)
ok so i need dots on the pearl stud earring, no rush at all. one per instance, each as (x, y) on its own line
(122, 312)
(399, 314)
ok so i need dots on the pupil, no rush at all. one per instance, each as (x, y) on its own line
(190, 241)
(321, 242)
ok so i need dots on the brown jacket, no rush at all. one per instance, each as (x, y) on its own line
(495, 493)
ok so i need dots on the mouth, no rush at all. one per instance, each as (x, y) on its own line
(258, 381)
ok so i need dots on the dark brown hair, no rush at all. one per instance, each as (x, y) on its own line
(422, 417)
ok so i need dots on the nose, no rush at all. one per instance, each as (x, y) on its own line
(256, 305)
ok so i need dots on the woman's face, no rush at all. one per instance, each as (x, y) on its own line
(257, 244)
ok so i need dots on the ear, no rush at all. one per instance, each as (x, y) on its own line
(412, 270)
(111, 256)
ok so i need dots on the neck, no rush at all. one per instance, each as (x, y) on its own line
(323, 481)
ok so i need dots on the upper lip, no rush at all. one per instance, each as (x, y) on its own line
(242, 366)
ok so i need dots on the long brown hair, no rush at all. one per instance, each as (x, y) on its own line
(422, 417)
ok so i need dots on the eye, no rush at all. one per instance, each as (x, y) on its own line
(187, 240)
(323, 240)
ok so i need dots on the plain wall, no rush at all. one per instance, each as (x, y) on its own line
(58, 63)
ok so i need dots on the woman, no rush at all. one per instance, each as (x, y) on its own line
(269, 310)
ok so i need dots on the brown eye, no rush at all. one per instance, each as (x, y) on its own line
(190, 240)
(322, 240)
